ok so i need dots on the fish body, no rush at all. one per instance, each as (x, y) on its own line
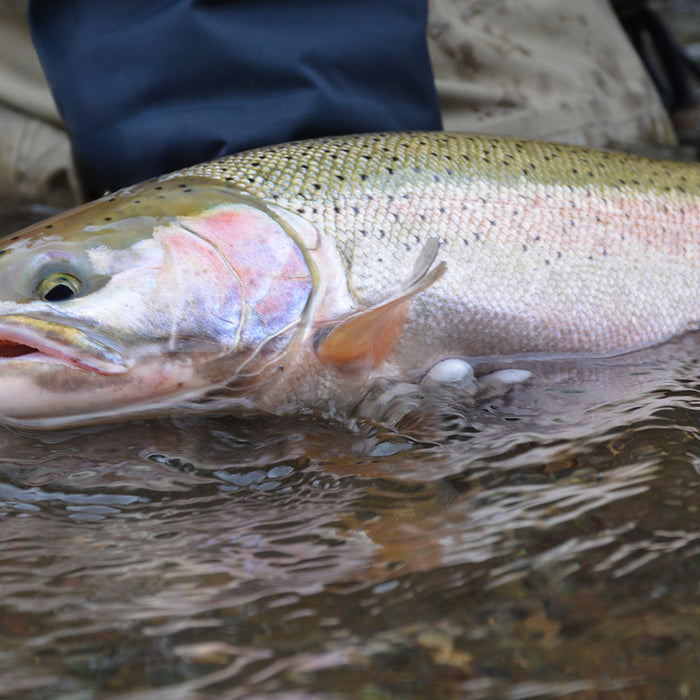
(285, 278)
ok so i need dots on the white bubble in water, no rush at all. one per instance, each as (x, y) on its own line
(501, 380)
(451, 371)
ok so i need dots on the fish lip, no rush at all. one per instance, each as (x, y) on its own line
(58, 343)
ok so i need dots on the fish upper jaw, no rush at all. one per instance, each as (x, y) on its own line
(26, 338)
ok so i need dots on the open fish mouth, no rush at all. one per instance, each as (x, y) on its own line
(29, 339)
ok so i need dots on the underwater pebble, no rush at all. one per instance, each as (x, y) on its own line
(241, 478)
(280, 472)
(385, 449)
(385, 587)
(267, 486)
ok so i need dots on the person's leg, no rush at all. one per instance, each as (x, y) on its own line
(147, 87)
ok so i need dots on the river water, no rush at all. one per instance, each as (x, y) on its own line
(541, 543)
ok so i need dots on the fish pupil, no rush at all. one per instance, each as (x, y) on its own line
(60, 292)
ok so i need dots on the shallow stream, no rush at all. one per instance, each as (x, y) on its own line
(545, 543)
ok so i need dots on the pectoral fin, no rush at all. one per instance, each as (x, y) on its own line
(364, 338)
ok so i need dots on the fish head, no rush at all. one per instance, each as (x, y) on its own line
(144, 300)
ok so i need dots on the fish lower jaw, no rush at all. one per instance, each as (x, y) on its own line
(55, 394)
(33, 357)
(15, 355)
(25, 339)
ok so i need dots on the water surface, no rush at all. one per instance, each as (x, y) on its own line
(545, 543)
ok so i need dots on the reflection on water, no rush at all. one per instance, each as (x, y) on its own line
(541, 544)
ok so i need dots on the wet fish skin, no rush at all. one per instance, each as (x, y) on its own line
(549, 248)
(241, 284)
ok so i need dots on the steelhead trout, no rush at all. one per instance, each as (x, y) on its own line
(286, 278)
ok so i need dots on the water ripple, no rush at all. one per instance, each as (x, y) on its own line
(531, 544)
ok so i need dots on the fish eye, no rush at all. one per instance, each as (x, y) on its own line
(58, 286)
